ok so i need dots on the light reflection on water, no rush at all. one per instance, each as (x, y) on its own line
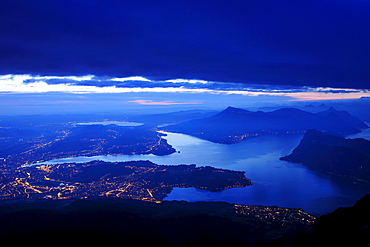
(275, 182)
(118, 123)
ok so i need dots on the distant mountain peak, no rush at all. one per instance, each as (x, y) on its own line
(332, 109)
(231, 109)
(345, 116)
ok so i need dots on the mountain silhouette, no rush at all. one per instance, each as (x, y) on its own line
(346, 117)
(233, 124)
(346, 226)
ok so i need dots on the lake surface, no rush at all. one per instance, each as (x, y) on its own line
(119, 123)
(275, 182)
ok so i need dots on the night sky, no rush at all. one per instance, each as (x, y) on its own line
(306, 42)
(266, 43)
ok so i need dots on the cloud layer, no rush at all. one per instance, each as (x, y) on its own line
(27, 84)
(300, 43)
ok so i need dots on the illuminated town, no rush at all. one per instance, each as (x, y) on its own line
(22, 176)
(276, 214)
(138, 180)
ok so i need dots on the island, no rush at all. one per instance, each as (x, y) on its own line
(139, 180)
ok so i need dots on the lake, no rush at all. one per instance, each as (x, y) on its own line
(118, 123)
(275, 182)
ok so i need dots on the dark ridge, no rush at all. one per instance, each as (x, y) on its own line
(348, 226)
(333, 154)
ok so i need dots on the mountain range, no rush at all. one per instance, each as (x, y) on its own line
(234, 124)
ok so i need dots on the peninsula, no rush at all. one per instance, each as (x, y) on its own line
(140, 180)
(332, 154)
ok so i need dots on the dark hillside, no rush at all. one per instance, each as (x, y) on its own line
(233, 125)
(344, 227)
(113, 222)
(333, 154)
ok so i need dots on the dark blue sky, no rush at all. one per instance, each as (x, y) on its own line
(299, 43)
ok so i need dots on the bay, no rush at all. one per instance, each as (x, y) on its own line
(275, 182)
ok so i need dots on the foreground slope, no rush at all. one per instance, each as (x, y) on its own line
(120, 222)
(348, 226)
